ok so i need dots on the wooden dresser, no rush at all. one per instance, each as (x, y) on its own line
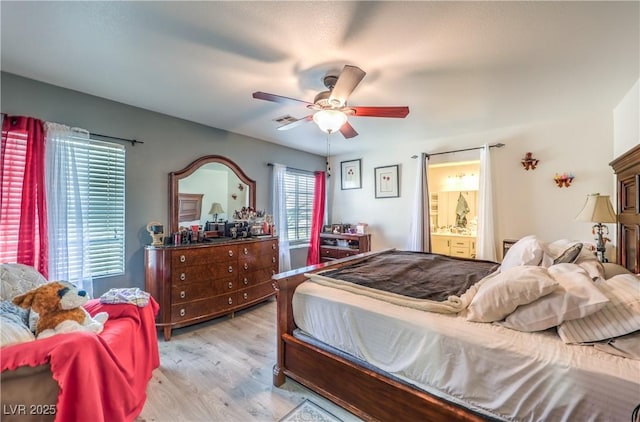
(627, 169)
(336, 246)
(195, 283)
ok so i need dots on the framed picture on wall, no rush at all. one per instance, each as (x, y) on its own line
(351, 176)
(387, 183)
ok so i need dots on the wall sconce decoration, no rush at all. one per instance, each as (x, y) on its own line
(234, 196)
(241, 187)
(563, 179)
(528, 162)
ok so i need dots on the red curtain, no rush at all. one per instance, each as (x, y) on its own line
(313, 257)
(23, 212)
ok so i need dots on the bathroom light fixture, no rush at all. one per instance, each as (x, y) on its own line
(330, 120)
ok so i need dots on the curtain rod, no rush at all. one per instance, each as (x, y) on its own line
(293, 168)
(498, 145)
(116, 138)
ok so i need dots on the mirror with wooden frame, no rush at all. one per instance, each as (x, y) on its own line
(210, 183)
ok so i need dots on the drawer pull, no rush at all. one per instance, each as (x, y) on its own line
(245, 281)
(246, 266)
(183, 312)
(273, 246)
(230, 285)
(230, 269)
(183, 258)
(273, 259)
(183, 276)
(273, 272)
(230, 252)
(246, 296)
(183, 294)
(246, 251)
(230, 301)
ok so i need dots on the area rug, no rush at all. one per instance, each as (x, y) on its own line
(308, 411)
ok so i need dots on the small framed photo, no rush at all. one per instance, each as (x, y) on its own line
(327, 229)
(351, 176)
(387, 183)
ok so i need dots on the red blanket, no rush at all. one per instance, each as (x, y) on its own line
(103, 377)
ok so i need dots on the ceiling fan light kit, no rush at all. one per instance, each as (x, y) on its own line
(330, 106)
(330, 120)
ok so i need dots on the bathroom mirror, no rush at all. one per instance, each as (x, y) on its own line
(209, 180)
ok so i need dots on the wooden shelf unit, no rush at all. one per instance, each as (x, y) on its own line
(336, 246)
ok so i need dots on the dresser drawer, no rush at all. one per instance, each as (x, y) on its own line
(460, 243)
(258, 249)
(258, 254)
(329, 253)
(460, 252)
(343, 253)
(201, 308)
(255, 293)
(193, 291)
(253, 278)
(199, 256)
(203, 273)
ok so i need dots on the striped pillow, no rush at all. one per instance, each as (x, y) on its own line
(618, 317)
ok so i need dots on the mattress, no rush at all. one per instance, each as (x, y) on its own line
(498, 372)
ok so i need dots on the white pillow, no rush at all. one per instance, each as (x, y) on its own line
(576, 297)
(501, 293)
(526, 251)
(586, 258)
(16, 279)
(620, 316)
(13, 332)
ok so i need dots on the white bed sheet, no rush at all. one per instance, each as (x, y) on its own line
(504, 373)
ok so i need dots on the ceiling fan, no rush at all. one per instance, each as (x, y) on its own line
(331, 109)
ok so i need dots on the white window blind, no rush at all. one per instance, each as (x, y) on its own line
(13, 155)
(106, 182)
(299, 188)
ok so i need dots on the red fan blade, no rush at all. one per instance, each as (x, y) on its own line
(298, 122)
(348, 131)
(348, 80)
(278, 98)
(400, 112)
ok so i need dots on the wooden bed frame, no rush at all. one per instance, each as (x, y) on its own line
(365, 393)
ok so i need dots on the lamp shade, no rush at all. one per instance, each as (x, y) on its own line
(216, 208)
(597, 209)
(330, 120)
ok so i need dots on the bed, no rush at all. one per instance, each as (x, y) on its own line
(363, 352)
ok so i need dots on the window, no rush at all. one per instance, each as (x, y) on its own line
(299, 190)
(106, 185)
(14, 151)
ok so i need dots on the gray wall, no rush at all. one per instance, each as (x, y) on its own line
(170, 144)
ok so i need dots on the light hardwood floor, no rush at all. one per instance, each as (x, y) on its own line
(221, 370)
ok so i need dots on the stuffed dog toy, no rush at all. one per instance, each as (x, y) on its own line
(56, 307)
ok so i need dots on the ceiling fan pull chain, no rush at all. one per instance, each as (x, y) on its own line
(327, 162)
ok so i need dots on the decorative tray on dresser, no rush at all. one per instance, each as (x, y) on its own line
(198, 282)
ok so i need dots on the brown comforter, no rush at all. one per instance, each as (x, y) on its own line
(416, 274)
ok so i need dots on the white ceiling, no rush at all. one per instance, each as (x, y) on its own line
(461, 67)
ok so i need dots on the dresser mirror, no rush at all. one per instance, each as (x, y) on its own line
(209, 189)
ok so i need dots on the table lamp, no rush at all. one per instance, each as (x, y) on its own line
(597, 209)
(216, 209)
